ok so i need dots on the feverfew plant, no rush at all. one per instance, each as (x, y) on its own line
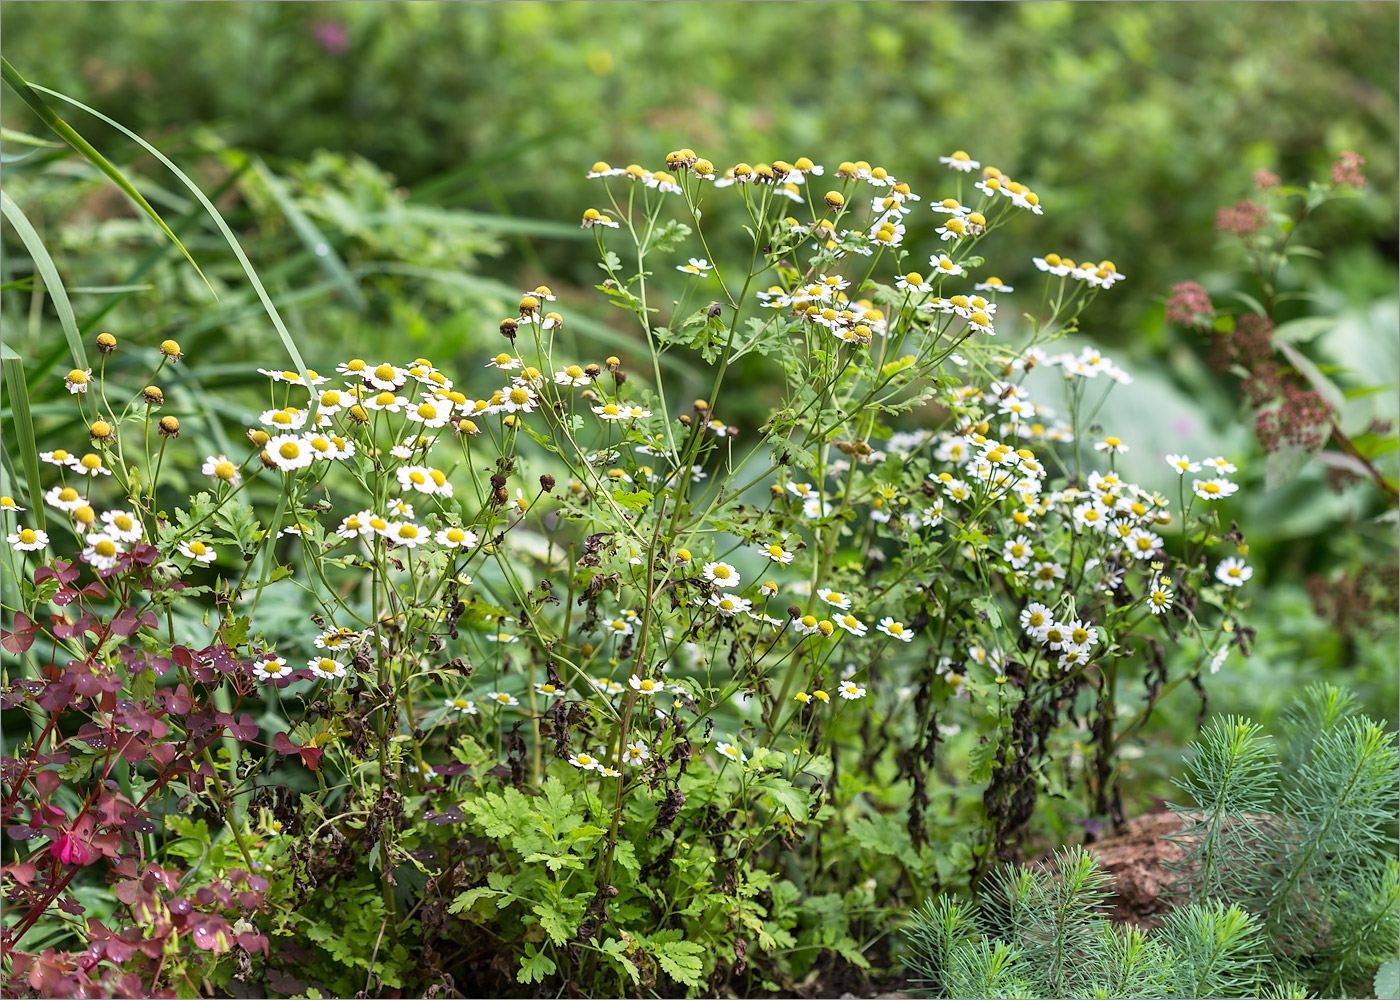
(583, 666)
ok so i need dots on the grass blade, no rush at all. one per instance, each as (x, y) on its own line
(13, 366)
(314, 240)
(70, 135)
(53, 284)
(232, 240)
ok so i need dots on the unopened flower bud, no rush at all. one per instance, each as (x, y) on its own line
(834, 199)
(106, 343)
(547, 483)
(169, 427)
(100, 430)
(153, 395)
(508, 328)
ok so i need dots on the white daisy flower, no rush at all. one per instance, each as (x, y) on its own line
(1159, 597)
(896, 630)
(457, 538)
(618, 626)
(430, 413)
(58, 457)
(405, 533)
(696, 265)
(960, 161)
(573, 375)
(646, 685)
(325, 668)
(65, 498)
(1017, 551)
(1218, 660)
(1233, 572)
(77, 380)
(385, 378)
(1079, 635)
(289, 452)
(1182, 465)
(1111, 445)
(1035, 618)
(1213, 489)
(197, 550)
(851, 691)
(283, 421)
(102, 551)
(1143, 544)
(945, 267)
(90, 465)
(504, 638)
(636, 753)
(461, 706)
(721, 574)
(122, 525)
(271, 668)
(852, 624)
(503, 699)
(834, 598)
(585, 761)
(731, 751)
(28, 539)
(1219, 464)
(778, 554)
(729, 604)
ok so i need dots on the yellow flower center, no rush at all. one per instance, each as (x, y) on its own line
(122, 522)
(776, 551)
(611, 410)
(289, 450)
(408, 531)
(1079, 636)
(68, 494)
(27, 536)
(385, 373)
(225, 470)
(198, 548)
(427, 411)
(78, 377)
(91, 461)
(384, 399)
(105, 549)
(519, 396)
(647, 685)
(417, 477)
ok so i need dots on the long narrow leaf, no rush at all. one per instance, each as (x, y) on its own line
(152, 258)
(13, 367)
(232, 240)
(314, 240)
(66, 132)
(47, 270)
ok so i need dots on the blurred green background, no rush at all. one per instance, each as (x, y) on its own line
(397, 172)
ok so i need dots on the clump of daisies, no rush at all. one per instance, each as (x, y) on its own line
(550, 553)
